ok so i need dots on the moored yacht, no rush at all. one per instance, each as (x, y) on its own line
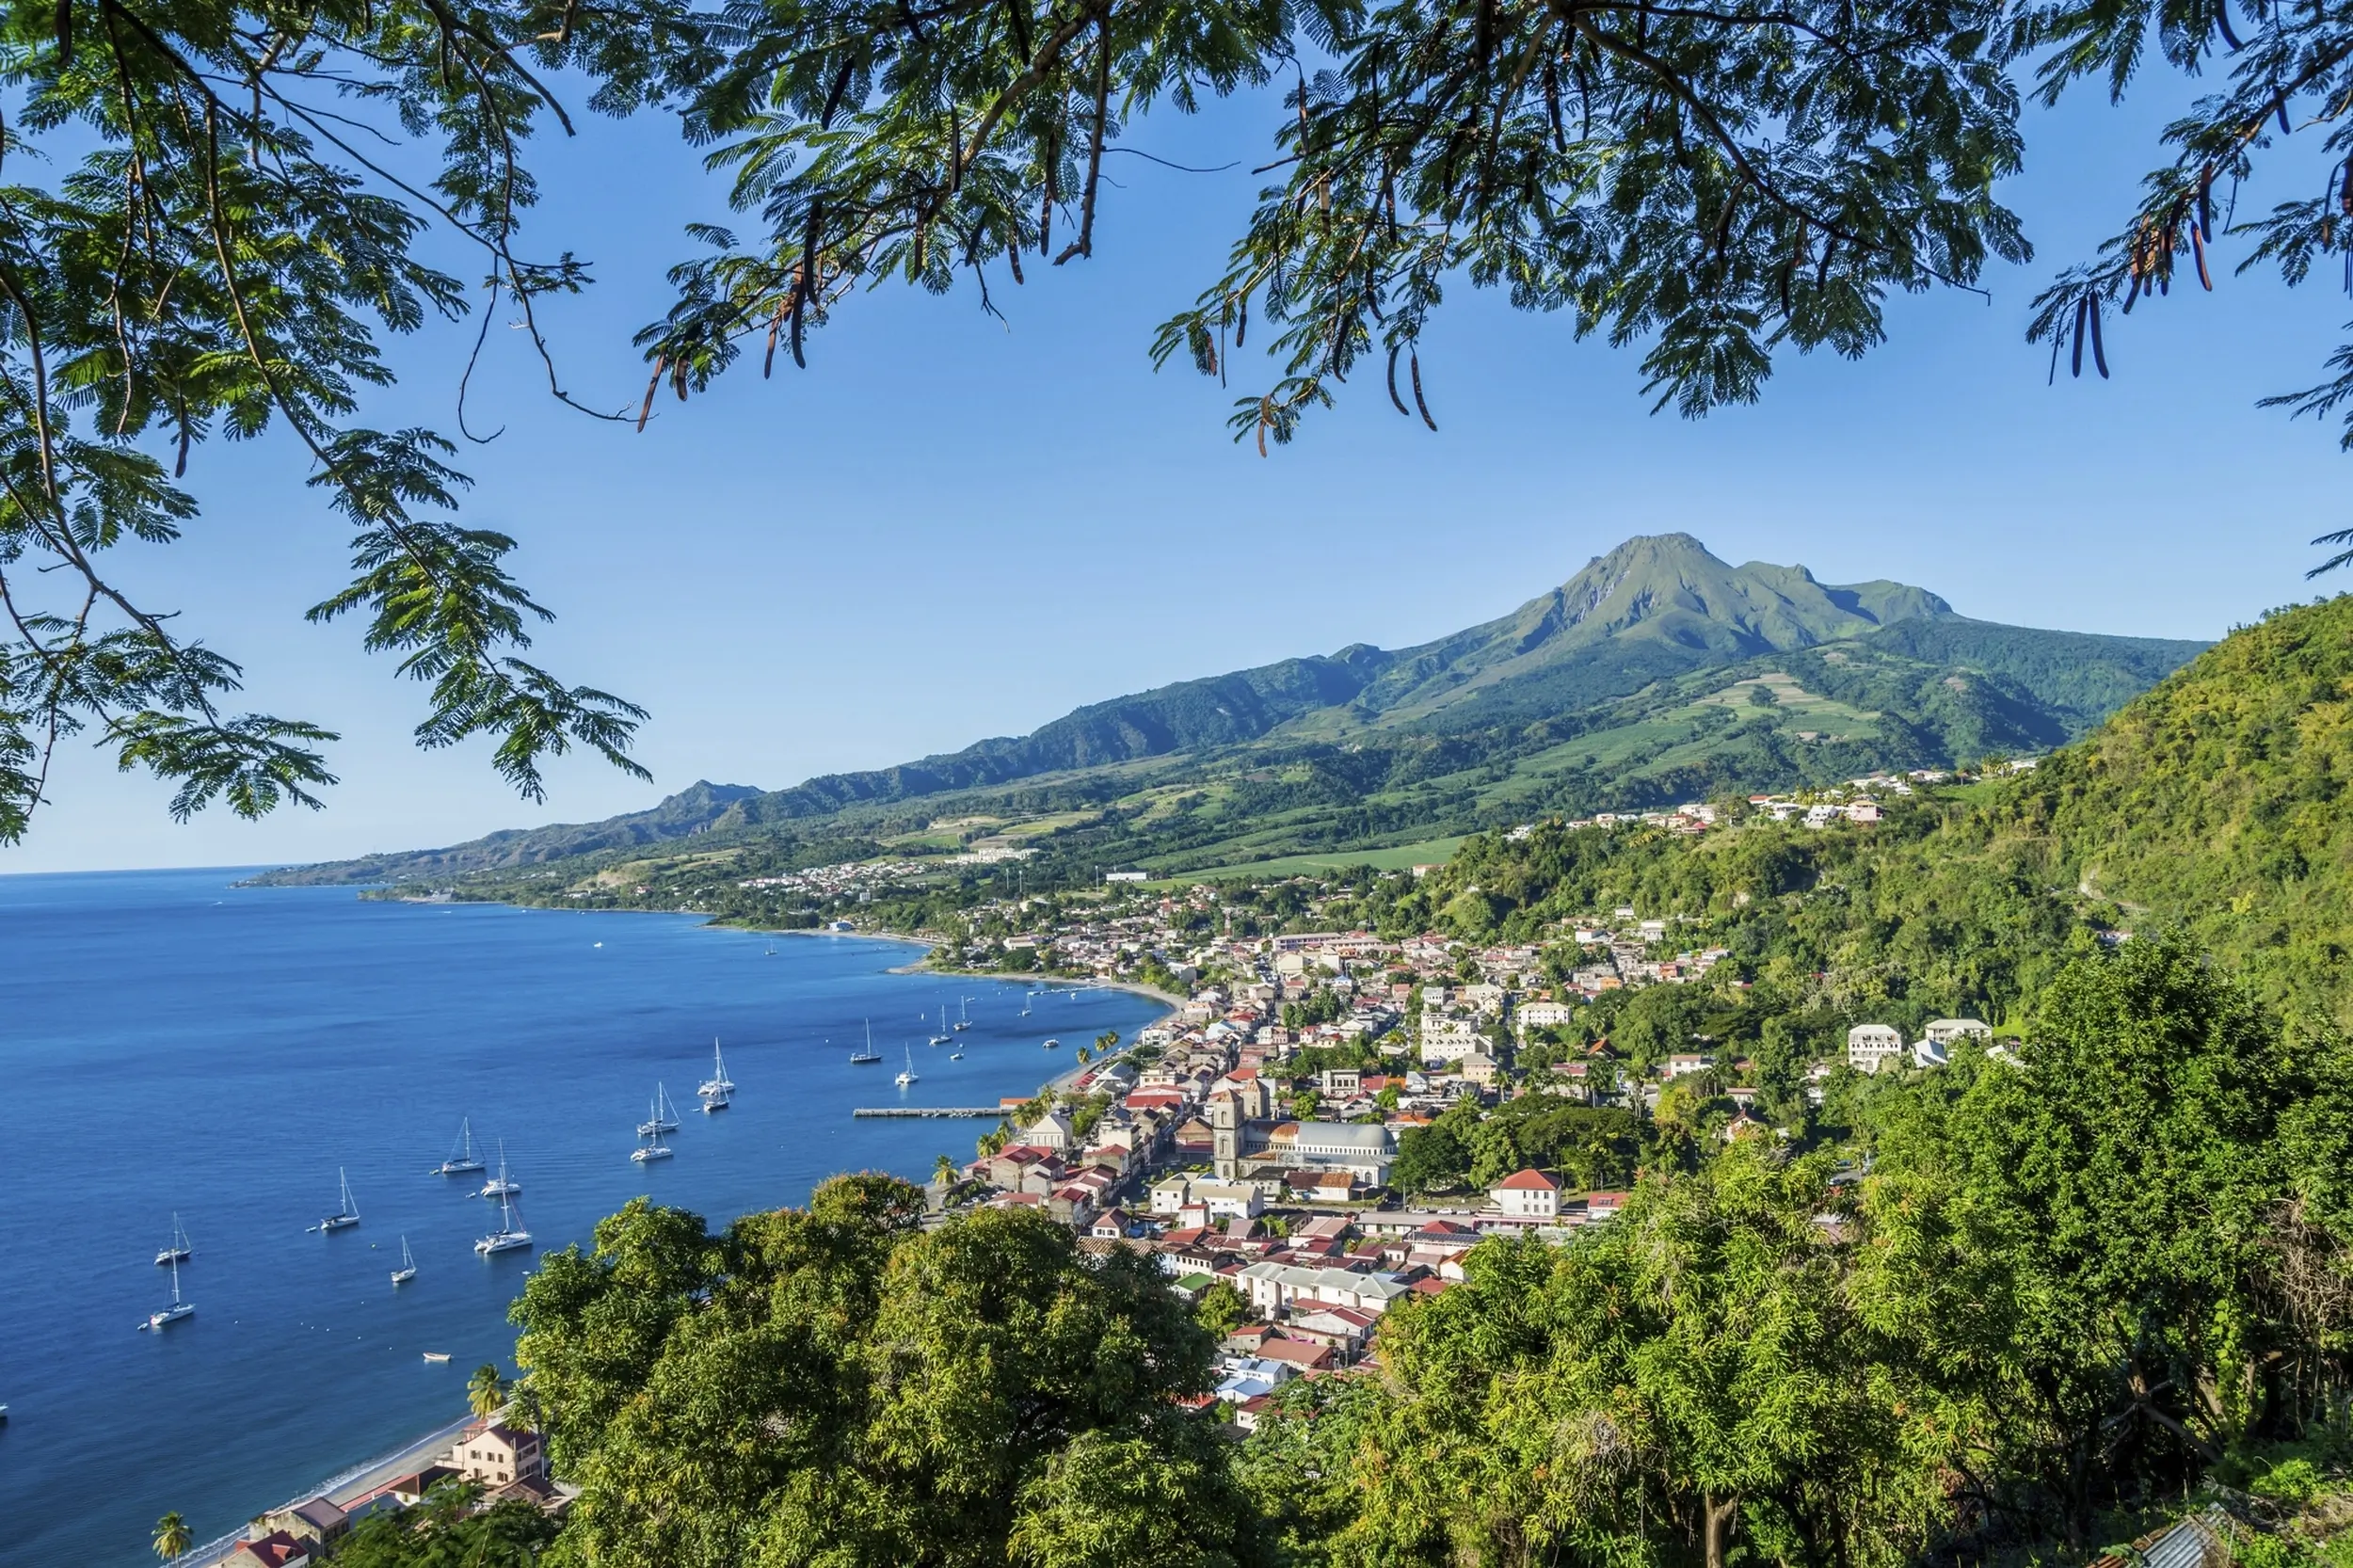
(177, 1250)
(665, 1117)
(509, 1237)
(407, 1269)
(718, 1085)
(348, 1215)
(651, 1130)
(462, 1160)
(502, 1184)
(943, 1037)
(907, 1077)
(861, 1058)
(177, 1310)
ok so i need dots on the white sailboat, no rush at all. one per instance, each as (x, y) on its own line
(963, 1015)
(665, 1117)
(462, 1160)
(943, 1037)
(509, 1237)
(177, 1310)
(908, 1077)
(861, 1058)
(718, 1085)
(502, 1184)
(407, 1269)
(178, 1250)
(348, 1215)
(653, 1148)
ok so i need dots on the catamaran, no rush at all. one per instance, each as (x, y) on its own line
(177, 1251)
(908, 1077)
(407, 1269)
(510, 1236)
(665, 1117)
(861, 1058)
(963, 1015)
(502, 1184)
(462, 1160)
(718, 1085)
(177, 1310)
(651, 1130)
(348, 1215)
(943, 1037)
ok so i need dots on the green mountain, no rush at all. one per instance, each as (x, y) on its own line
(1656, 672)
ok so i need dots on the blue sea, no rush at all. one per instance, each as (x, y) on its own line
(171, 1042)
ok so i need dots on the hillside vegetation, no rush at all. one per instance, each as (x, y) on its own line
(1656, 673)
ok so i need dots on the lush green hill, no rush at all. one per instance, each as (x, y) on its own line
(1656, 673)
(2218, 801)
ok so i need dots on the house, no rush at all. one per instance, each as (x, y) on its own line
(1273, 1288)
(1340, 1082)
(1527, 1196)
(498, 1454)
(1948, 1032)
(1343, 1329)
(1541, 1014)
(1229, 1200)
(277, 1549)
(318, 1522)
(1110, 1225)
(1480, 1069)
(1052, 1132)
(1871, 1047)
(1169, 1196)
(1684, 1064)
(1445, 1040)
(1299, 1355)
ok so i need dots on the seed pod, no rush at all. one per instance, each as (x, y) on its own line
(2345, 190)
(2283, 118)
(2083, 308)
(1241, 321)
(2222, 20)
(1414, 363)
(2099, 350)
(2134, 293)
(2198, 247)
(2205, 201)
(1393, 397)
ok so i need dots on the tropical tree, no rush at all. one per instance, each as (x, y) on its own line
(172, 1539)
(1692, 1379)
(837, 1383)
(485, 1391)
(944, 1171)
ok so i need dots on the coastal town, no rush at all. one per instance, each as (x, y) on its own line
(1252, 1141)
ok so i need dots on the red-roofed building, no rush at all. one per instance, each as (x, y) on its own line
(275, 1550)
(1527, 1196)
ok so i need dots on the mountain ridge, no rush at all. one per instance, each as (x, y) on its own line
(1653, 610)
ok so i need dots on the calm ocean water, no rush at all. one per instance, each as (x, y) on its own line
(170, 1042)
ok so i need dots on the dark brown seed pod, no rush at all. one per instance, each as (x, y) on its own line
(1402, 409)
(2083, 308)
(2099, 350)
(2205, 201)
(2197, 249)
(2345, 190)
(1241, 321)
(2223, 20)
(2284, 129)
(2131, 293)
(653, 385)
(1413, 364)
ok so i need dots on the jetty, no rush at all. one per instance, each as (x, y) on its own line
(991, 1112)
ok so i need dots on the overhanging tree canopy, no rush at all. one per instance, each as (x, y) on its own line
(205, 231)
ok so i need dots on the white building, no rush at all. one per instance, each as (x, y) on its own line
(1949, 1032)
(1274, 1287)
(1871, 1047)
(1527, 1196)
(1446, 1040)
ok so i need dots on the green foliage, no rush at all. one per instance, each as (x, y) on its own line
(1693, 1375)
(213, 253)
(444, 1532)
(1221, 1309)
(2217, 803)
(834, 1384)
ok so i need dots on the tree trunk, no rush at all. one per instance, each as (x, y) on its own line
(1716, 1523)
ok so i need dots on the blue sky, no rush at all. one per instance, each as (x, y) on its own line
(951, 527)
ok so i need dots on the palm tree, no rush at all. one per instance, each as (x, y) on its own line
(485, 1391)
(944, 1171)
(173, 1538)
